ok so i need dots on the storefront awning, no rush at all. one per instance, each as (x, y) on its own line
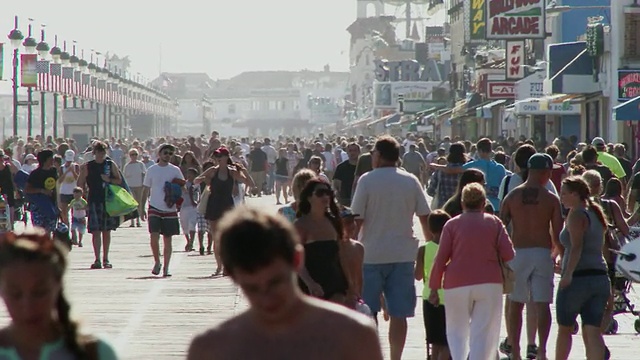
(484, 111)
(557, 104)
(627, 111)
(387, 119)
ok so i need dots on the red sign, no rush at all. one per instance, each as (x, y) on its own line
(501, 90)
(515, 60)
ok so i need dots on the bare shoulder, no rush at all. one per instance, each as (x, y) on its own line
(342, 318)
(216, 342)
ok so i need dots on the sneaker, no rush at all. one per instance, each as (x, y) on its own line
(96, 265)
(532, 351)
(156, 269)
(505, 348)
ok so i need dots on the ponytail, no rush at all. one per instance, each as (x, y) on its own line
(69, 327)
(597, 209)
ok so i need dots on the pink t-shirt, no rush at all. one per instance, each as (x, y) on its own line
(468, 253)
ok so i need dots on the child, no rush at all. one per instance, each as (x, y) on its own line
(352, 259)
(434, 318)
(203, 223)
(78, 216)
(188, 211)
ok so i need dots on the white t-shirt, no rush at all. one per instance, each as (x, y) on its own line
(156, 177)
(134, 173)
(387, 199)
(271, 152)
(330, 163)
(516, 180)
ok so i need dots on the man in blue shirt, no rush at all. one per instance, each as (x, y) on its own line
(493, 172)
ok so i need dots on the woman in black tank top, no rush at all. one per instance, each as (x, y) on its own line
(221, 180)
(321, 230)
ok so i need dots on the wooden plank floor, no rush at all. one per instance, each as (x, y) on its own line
(148, 317)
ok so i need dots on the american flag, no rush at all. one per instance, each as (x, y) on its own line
(93, 91)
(77, 83)
(86, 84)
(42, 68)
(56, 73)
(101, 87)
(67, 80)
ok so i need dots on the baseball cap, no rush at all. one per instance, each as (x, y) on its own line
(598, 142)
(540, 161)
(29, 157)
(69, 155)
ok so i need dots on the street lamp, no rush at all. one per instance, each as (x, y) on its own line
(43, 51)
(15, 37)
(56, 55)
(30, 45)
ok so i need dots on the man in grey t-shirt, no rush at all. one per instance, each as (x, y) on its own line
(413, 161)
(386, 199)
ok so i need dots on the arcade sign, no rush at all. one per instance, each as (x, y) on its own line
(515, 19)
(410, 70)
(501, 90)
(628, 84)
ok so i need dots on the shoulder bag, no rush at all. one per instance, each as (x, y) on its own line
(508, 278)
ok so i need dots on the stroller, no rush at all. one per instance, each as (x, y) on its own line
(627, 272)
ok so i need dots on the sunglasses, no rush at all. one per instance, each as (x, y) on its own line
(323, 192)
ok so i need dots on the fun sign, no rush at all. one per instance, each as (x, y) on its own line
(515, 19)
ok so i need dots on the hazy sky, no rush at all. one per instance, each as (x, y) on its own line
(221, 38)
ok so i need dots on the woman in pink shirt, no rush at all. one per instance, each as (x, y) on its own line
(468, 254)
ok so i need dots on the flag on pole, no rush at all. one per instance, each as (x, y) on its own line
(86, 83)
(42, 68)
(29, 75)
(1, 60)
(93, 89)
(77, 83)
(67, 80)
(55, 75)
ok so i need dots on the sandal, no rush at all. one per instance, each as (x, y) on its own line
(166, 274)
(96, 265)
(107, 264)
(156, 269)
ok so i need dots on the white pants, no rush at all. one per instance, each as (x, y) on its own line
(473, 314)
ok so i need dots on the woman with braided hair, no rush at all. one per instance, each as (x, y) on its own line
(32, 266)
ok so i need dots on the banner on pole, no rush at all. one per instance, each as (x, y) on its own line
(1, 60)
(29, 74)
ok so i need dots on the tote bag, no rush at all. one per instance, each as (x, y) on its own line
(118, 201)
(204, 199)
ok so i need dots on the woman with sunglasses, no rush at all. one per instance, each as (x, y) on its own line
(221, 180)
(32, 266)
(321, 231)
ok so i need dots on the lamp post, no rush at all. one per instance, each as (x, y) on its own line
(43, 50)
(82, 66)
(15, 37)
(56, 55)
(30, 47)
(73, 61)
(65, 60)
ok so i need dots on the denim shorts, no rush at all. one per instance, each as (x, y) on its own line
(394, 281)
(586, 296)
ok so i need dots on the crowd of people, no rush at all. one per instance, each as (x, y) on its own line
(344, 234)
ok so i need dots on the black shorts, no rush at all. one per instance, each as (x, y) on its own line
(435, 324)
(66, 198)
(163, 222)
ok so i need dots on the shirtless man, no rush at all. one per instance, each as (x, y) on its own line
(536, 220)
(281, 322)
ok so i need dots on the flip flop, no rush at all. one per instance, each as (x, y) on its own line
(156, 269)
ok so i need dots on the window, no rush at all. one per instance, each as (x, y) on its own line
(231, 109)
(255, 105)
(632, 36)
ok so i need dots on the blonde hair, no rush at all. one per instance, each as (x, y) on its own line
(474, 196)
(300, 180)
(593, 179)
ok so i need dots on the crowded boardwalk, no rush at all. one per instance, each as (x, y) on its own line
(149, 317)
